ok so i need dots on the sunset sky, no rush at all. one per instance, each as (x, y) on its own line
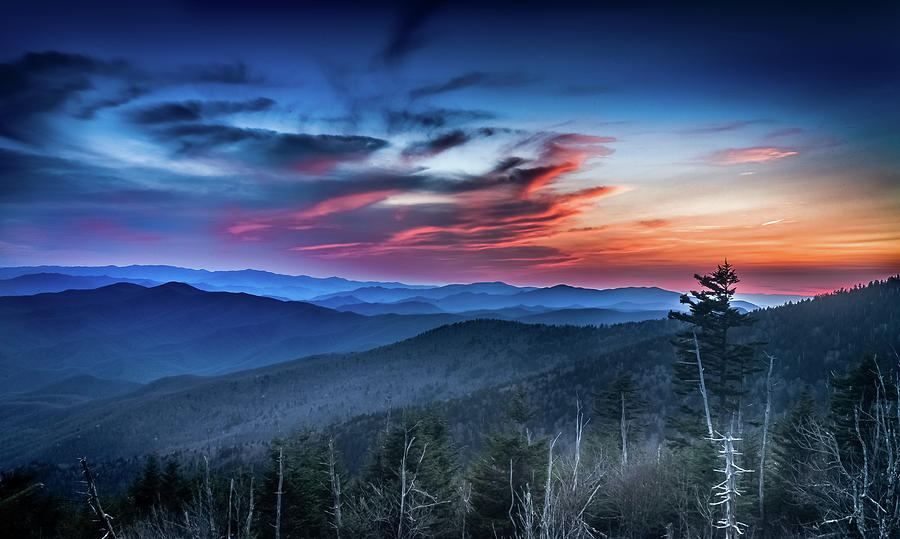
(599, 145)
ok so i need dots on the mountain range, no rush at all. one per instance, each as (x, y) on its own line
(466, 366)
(26, 280)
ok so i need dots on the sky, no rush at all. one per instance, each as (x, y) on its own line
(594, 144)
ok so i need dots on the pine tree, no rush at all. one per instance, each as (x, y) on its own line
(519, 411)
(621, 395)
(507, 466)
(174, 489)
(855, 390)
(306, 498)
(725, 364)
(145, 492)
(430, 467)
(791, 459)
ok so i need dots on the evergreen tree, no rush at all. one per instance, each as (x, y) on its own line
(430, 464)
(855, 391)
(725, 364)
(27, 509)
(791, 460)
(621, 393)
(145, 492)
(508, 466)
(306, 496)
(519, 411)
(174, 488)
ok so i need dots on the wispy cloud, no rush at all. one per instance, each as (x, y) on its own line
(760, 154)
(194, 110)
(475, 79)
(407, 34)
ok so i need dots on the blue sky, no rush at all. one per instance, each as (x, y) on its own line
(601, 145)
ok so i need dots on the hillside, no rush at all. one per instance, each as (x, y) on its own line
(811, 340)
(129, 332)
(250, 407)
(470, 364)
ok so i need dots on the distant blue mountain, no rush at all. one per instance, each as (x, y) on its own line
(383, 294)
(129, 332)
(37, 283)
(561, 297)
(400, 307)
(334, 292)
(261, 283)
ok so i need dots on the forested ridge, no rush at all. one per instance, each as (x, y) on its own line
(605, 444)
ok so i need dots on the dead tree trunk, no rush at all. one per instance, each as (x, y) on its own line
(703, 385)
(230, 494)
(624, 428)
(94, 501)
(407, 444)
(249, 508)
(762, 452)
(727, 490)
(279, 493)
(579, 432)
(210, 506)
(335, 481)
(546, 513)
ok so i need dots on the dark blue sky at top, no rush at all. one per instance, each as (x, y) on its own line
(353, 138)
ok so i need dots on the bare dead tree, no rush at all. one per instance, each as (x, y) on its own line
(765, 433)
(703, 385)
(210, 504)
(335, 481)
(727, 491)
(230, 494)
(569, 489)
(94, 501)
(407, 444)
(579, 432)
(512, 496)
(623, 426)
(279, 492)
(857, 488)
(545, 514)
(464, 490)
(249, 508)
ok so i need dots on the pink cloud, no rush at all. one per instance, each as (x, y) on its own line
(243, 228)
(736, 156)
(326, 246)
(345, 203)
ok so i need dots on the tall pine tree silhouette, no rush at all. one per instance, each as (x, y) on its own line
(725, 363)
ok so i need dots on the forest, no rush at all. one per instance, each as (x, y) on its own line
(783, 422)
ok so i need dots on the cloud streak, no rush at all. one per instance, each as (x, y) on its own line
(475, 79)
(191, 111)
(760, 154)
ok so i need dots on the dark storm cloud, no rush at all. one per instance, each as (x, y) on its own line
(266, 147)
(406, 120)
(123, 97)
(28, 178)
(406, 36)
(508, 163)
(187, 111)
(475, 79)
(446, 141)
(40, 83)
(437, 145)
